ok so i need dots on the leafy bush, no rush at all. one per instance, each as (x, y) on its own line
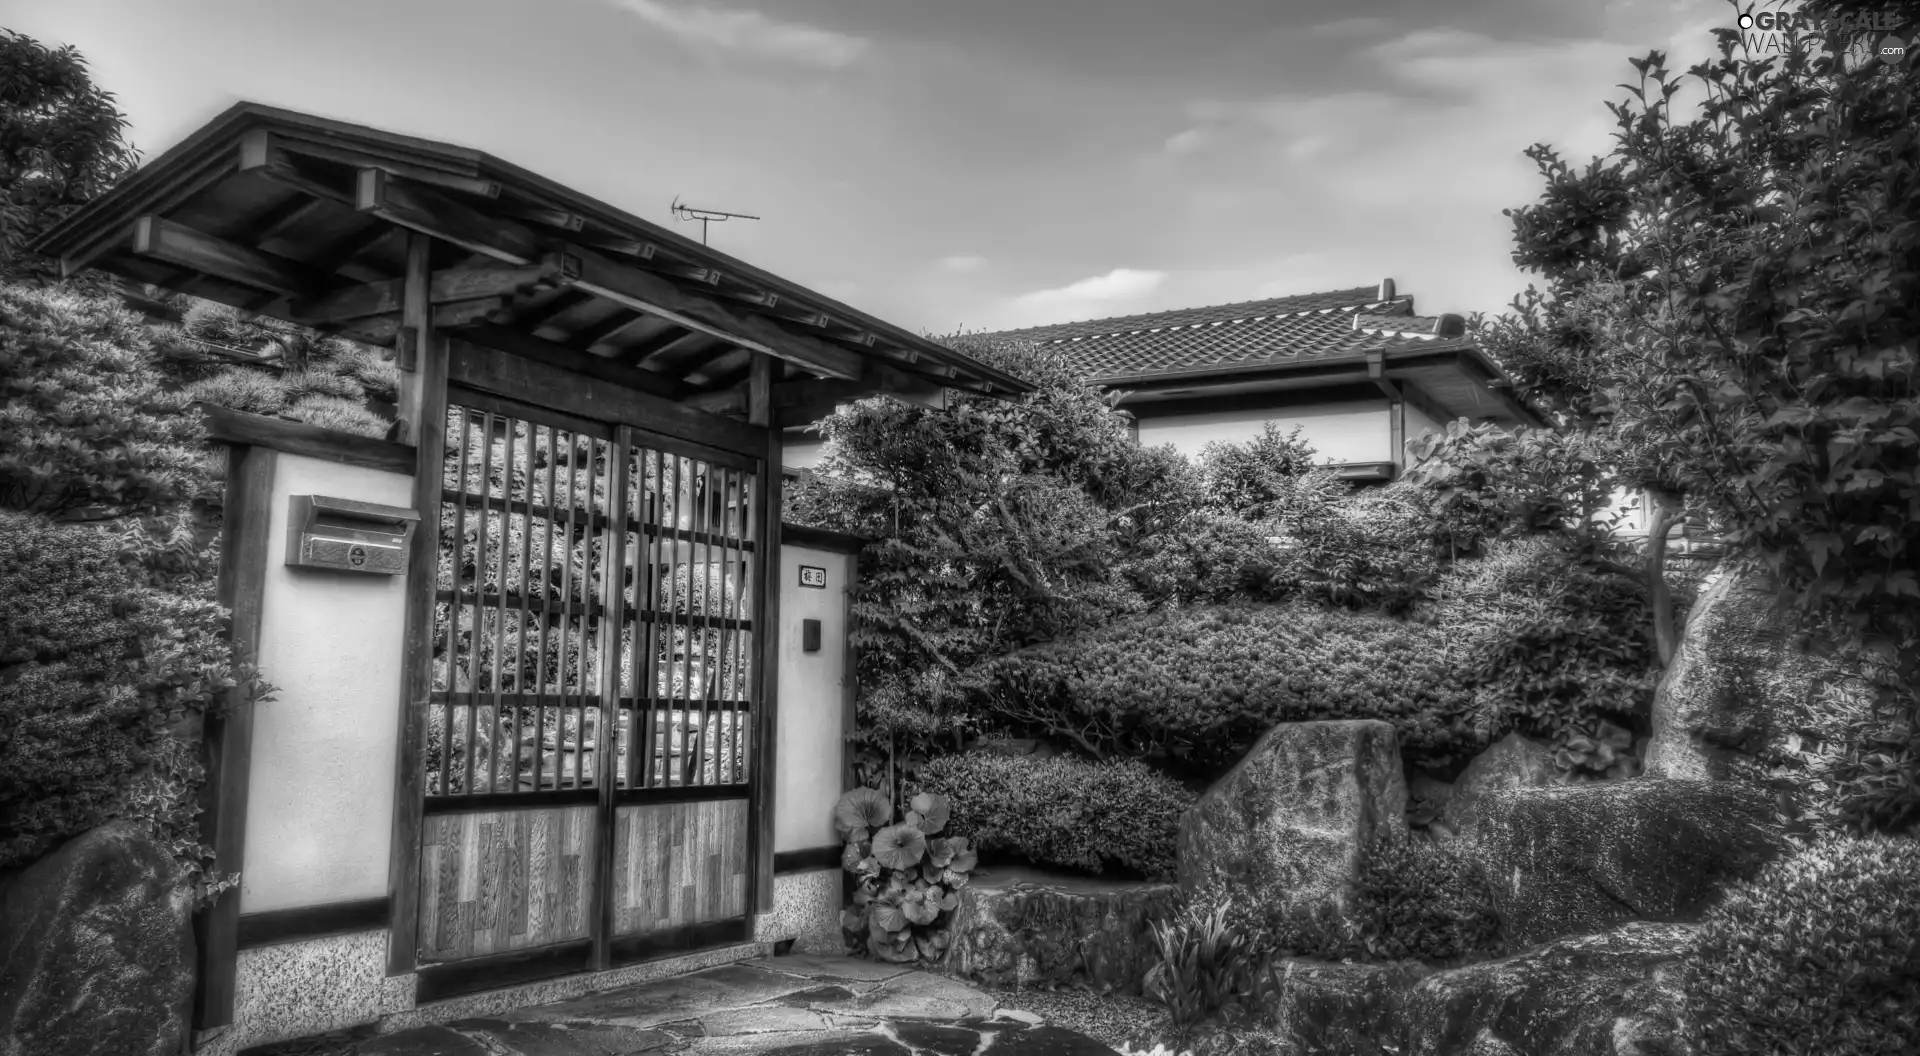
(1423, 901)
(1549, 642)
(86, 428)
(1062, 811)
(1818, 954)
(1855, 754)
(96, 665)
(1270, 477)
(1192, 689)
(907, 874)
(1482, 482)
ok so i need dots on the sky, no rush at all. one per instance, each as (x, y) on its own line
(968, 164)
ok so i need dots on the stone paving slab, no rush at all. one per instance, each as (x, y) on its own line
(777, 1006)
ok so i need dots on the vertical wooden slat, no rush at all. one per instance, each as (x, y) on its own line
(647, 678)
(524, 586)
(546, 608)
(613, 567)
(228, 736)
(423, 395)
(566, 623)
(468, 783)
(455, 609)
(736, 531)
(540, 857)
(517, 878)
(500, 611)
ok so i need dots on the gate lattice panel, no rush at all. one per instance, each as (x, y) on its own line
(593, 683)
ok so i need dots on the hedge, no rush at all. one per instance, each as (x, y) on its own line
(1062, 811)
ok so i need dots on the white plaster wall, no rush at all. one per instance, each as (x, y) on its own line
(812, 707)
(1418, 424)
(1339, 432)
(320, 794)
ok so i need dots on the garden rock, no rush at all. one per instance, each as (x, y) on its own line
(1609, 994)
(96, 949)
(1512, 761)
(1576, 859)
(1733, 687)
(1318, 1006)
(1289, 826)
(1016, 927)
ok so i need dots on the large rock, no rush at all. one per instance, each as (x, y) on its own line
(1019, 927)
(96, 949)
(1289, 826)
(1351, 1009)
(1512, 761)
(1733, 687)
(1610, 994)
(1575, 859)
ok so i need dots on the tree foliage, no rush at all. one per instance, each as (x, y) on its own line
(1732, 297)
(61, 143)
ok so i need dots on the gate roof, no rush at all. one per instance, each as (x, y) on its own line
(306, 219)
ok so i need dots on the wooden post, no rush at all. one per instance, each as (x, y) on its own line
(612, 604)
(766, 727)
(245, 512)
(423, 404)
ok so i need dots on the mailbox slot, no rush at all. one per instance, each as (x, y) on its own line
(346, 535)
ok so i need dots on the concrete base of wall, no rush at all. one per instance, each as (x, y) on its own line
(806, 909)
(298, 989)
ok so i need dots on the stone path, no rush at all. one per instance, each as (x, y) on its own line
(796, 1005)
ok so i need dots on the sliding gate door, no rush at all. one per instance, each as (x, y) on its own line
(587, 754)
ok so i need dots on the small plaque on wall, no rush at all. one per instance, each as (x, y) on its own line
(810, 576)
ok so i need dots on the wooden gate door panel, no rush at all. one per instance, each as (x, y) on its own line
(588, 765)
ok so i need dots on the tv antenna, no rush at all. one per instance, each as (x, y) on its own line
(705, 216)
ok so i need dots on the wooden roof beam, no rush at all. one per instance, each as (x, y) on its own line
(460, 284)
(599, 368)
(426, 211)
(157, 238)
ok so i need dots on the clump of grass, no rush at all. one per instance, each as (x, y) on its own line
(242, 389)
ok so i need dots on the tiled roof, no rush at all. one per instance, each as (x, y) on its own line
(1249, 334)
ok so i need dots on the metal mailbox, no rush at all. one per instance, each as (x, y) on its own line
(346, 535)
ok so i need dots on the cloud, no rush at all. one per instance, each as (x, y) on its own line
(962, 263)
(709, 28)
(1120, 284)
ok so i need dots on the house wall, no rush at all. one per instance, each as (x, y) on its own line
(1356, 431)
(1419, 424)
(808, 772)
(320, 790)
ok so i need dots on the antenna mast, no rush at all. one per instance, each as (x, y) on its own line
(705, 216)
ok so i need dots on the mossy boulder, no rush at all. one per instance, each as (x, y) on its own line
(1352, 1009)
(1289, 827)
(1615, 993)
(1577, 859)
(1022, 927)
(96, 949)
(1512, 761)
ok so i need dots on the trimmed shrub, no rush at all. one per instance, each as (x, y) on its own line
(1062, 811)
(332, 412)
(299, 384)
(1424, 901)
(242, 389)
(1192, 689)
(1820, 953)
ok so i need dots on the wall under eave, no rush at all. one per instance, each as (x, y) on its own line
(320, 792)
(808, 769)
(1356, 431)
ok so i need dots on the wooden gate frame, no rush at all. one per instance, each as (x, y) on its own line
(424, 399)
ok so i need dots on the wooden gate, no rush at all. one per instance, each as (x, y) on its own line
(587, 753)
